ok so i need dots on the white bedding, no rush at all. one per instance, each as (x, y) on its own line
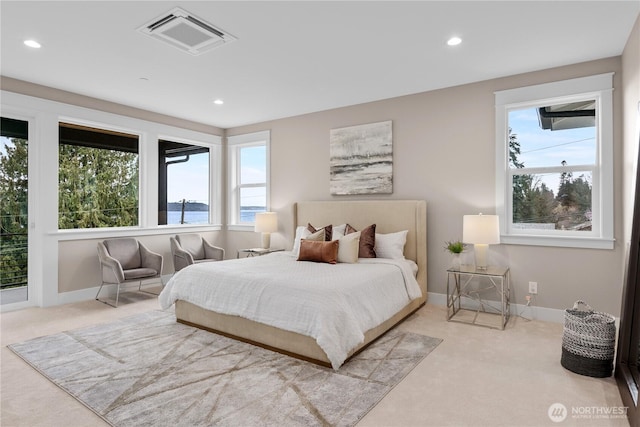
(334, 304)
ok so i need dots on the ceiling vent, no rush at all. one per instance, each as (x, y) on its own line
(181, 29)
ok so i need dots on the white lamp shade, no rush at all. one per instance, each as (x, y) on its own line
(481, 229)
(266, 222)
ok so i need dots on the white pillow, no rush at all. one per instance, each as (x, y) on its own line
(339, 231)
(303, 232)
(348, 247)
(391, 245)
(300, 234)
(318, 236)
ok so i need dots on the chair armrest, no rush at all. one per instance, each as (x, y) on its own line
(150, 259)
(212, 252)
(181, 253)
(112, 271)
(181, 258)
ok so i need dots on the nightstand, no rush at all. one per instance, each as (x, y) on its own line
(479, 296)
(257, 251)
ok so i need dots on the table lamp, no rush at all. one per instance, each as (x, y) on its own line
(266, 223)
(481, 231)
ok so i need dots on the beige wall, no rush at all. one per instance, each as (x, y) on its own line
(78, 266)
(443, 152)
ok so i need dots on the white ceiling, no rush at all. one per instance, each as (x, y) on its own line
(298, 57)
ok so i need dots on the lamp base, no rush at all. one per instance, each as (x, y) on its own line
(480, 251)
(266, 240)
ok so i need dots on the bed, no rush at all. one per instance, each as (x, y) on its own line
(389, 217)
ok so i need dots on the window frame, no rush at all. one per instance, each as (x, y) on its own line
(107, 128)
(599, 88)
(234, 145)
(149, 134)
(215, 181)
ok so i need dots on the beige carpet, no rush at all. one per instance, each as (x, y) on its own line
(149, 370)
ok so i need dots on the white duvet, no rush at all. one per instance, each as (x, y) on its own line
(334, 304)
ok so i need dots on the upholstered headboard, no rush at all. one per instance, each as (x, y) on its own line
(388, 215)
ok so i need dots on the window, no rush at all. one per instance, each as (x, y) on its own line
(98, 176)
(183, 183)
(555, 163)
(248, 177)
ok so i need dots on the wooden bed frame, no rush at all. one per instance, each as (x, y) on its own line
(388, 215)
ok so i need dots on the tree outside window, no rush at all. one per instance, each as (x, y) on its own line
(98, 178)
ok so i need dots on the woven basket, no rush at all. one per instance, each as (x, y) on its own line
(588, 341)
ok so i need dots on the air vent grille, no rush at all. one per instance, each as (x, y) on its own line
(186, 32)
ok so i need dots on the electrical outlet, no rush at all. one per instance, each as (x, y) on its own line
(533, 288)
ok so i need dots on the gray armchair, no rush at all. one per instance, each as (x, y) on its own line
(190, 249)
(125, 261)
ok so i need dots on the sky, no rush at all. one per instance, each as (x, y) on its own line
(190, 180)
(5, 141)
(540, 148)
(253, 165)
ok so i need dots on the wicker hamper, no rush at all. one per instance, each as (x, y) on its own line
(588, 341)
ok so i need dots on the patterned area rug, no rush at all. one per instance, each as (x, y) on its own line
(148, 370)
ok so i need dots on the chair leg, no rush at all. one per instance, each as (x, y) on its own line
(117, 295)
(106, 301)
(149, 292)
(99, 289)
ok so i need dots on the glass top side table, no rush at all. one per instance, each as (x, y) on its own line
(479, 296)
(257, 251)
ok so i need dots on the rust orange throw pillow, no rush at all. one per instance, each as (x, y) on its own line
(318, 251)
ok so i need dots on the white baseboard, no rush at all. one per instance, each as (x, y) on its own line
(83, 294)
(532, 312)
(90, 293)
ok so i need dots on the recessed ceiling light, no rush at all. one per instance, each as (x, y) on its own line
(32, 43)
(218, 102)
(454, 41)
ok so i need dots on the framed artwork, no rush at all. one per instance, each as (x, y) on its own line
(361, 159)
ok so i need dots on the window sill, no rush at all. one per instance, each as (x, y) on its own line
(98, 233)
(557, 241)
(238, 227)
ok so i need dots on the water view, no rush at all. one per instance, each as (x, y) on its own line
(247, 214)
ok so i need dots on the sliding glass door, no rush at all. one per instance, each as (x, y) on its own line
(14, 180)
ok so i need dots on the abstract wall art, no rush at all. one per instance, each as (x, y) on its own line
(361, 159)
